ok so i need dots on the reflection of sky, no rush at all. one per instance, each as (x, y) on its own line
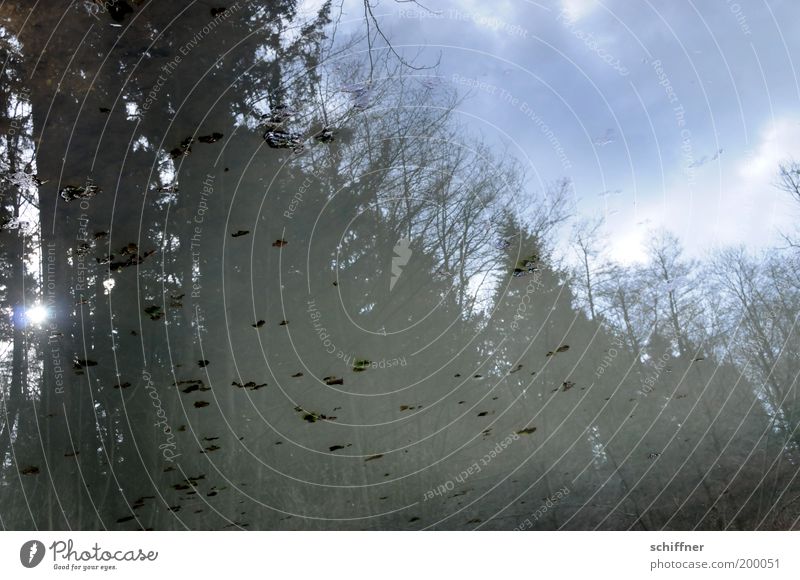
(596, 82)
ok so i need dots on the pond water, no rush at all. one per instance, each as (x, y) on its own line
(264, 267)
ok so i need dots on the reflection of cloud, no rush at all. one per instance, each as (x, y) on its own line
(577, 9)
(627, 245)
(735, 203)
(778, 142)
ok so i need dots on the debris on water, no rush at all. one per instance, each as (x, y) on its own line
(154, 312)
(283, 323)
(567, 385)
(29, 470)
(193, 385)
(121, 386)
(117, 9)
(259, 324)
(252, 385)
(201, 404)
(240, 233)
(203, 363)
(562, 348)
(297, 375)
(337, 447)
(284, 140)
(213, 138)
(361, 365)
(333, 381)
(73, 192)
(82, 363)
(515, 369)
(279, 243)
(325, 136)
(373, 457)
(183, 149)
(217, 11)
(312, 416)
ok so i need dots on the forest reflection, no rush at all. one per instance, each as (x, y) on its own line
(259, 272)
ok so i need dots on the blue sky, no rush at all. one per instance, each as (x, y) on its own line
(639, 98)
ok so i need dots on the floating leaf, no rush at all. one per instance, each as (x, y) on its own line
(361, 365)
(213, 138)
(73, 192)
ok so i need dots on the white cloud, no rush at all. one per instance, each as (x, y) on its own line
(577, 9)
(730, 201)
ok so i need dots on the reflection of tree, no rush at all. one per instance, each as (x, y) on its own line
(486, 321)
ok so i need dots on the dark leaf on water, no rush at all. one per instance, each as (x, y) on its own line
(333, 381)
(240, 233)
(361, 365)
(154, 312)
(73, 192)
(203, 363)
(183, 149)
(279, 243)
(201, 404)
(213, 138)
(373, 457)
(30, 470)
(258, 324)
(526, 431)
